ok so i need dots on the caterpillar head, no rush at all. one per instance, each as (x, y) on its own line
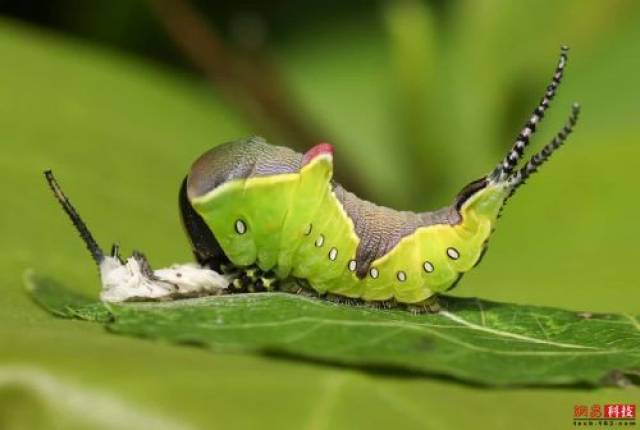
(486, 197)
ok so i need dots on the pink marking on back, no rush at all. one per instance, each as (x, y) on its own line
(319, 149)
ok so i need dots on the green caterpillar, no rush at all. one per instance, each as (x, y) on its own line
(251, 203)
(251, 207)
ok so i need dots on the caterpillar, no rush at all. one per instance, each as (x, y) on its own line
(261, 214)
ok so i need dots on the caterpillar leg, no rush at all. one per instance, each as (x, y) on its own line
(432, 305)
(334, 298)
(250, 279)
(300, 287)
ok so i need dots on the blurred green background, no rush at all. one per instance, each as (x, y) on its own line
(419, 98)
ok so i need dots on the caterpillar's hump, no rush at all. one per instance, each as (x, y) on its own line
(240, 159)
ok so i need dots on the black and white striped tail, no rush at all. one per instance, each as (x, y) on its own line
(541, 157)
(506, 167)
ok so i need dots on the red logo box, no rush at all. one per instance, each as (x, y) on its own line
(620, 410)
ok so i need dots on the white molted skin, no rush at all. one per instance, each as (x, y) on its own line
(128, 282)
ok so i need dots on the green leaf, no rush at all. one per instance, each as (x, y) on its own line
(63, 302)
(473, 340)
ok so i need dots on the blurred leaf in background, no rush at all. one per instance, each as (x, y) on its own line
(121, 131)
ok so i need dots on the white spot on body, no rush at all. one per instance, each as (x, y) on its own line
(307, 231)
(401, 276)
(428, 267)
(333, 254)
(320, 241)
(453, 253)
(352, 265)
(374, 273)
(241, 227)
